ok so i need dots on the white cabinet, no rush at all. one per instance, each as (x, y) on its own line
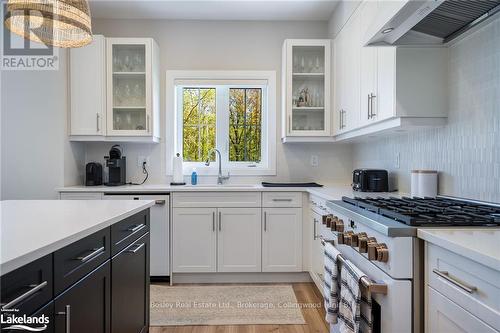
(282, 240)
(115, 91)
(385, 89)
(239, 240)
(306, 97)
(445, 316)
(88, 89)
(194, 241)
(132, 87)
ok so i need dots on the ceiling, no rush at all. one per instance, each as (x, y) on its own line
(260, 10)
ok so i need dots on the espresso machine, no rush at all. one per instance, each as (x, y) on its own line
(116, 164)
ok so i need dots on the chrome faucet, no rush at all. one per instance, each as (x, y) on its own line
(220, 177)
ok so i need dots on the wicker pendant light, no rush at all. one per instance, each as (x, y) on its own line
(61, 23)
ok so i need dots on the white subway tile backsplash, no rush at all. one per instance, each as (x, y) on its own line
(466, 152)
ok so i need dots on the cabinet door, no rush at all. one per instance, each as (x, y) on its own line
(194, 241)
(130, 288)
(386, 83)
(239, 240)
(351, 87)
(445, 316)
(88, 88)
(129, 68)
(368, 66)
(85, 307)
(307, 103)
(338, 82)
(282, 240)
(317, 270)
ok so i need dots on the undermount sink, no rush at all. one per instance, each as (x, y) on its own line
(223, 185)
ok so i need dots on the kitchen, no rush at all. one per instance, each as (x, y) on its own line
(323, 92)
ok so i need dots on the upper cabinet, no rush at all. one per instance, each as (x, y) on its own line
(385, 89)
(115, 90)
(88, 88)
(306, 90)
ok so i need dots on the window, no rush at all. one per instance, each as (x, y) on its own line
(233, 114)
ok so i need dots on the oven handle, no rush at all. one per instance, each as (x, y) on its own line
(445, 275)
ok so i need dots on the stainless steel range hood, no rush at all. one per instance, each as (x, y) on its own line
(418, 22)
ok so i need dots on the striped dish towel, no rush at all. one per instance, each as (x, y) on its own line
(331, 285)
(355, 302)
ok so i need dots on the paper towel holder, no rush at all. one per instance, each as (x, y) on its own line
(173, 171)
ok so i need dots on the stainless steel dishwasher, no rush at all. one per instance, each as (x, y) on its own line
(160, 228)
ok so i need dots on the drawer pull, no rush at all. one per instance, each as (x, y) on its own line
(67, 313)
(17, 300)
(445, 275)
(95, 252)
(136, 228)
(137, 248)
(283, 199)
(159, 202)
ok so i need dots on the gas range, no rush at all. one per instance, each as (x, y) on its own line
(428, 212)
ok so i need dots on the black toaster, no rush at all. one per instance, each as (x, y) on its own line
(370, 180)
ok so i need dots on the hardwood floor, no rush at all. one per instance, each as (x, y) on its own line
(305, 293)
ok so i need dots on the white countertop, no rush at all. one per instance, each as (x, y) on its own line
(31, 229)
(478, 244)
(328, 192)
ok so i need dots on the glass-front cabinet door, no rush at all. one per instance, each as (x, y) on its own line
(129, 86)
(306, 88)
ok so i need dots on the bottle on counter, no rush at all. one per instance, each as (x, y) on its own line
(194, 177)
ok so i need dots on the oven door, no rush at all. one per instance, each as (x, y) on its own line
(391, 312)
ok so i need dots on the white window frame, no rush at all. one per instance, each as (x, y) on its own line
(266, 80)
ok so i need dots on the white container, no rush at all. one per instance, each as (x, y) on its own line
(424, 183)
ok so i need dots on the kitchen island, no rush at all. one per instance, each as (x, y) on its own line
(79, 266)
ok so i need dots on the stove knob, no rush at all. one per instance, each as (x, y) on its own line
(354, 240)
(339, 225)
(363, 242)
(333, 224)
(382, 252)
(348, 237)
(372, 249)
(340, 238)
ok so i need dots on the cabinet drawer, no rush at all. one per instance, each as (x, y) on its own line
(29, 287)
(76, 260)
(80, 195)
(469, 284)
(217, 199)
(125, 232)
(282, 199)
(444, 315)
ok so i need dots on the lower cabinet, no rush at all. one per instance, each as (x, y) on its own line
(443, 315)
(130, 288)
(84, 307)
(194, 243)
(282, 240)
(239, 240)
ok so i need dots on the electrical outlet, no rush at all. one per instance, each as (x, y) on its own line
(397, 163)
(141, 160)
(314, 160)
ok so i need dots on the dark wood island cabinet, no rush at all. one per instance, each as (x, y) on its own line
(97, 284)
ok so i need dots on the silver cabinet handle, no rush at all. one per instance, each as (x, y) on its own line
(136, 228)
(281, 200)
(147, 123)
(372, 114)
(159, 202)
(19, 299)
(93, 254)
(97, 121)
(220, 222)
(137, 248)
(445, 275)
(289, 124)
(368, 107)
(265, 221)
(66, 313)
(314, 230)
(213, 221)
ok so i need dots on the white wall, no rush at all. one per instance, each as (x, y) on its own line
(467, 150)
(242, 45)
(36, 156)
